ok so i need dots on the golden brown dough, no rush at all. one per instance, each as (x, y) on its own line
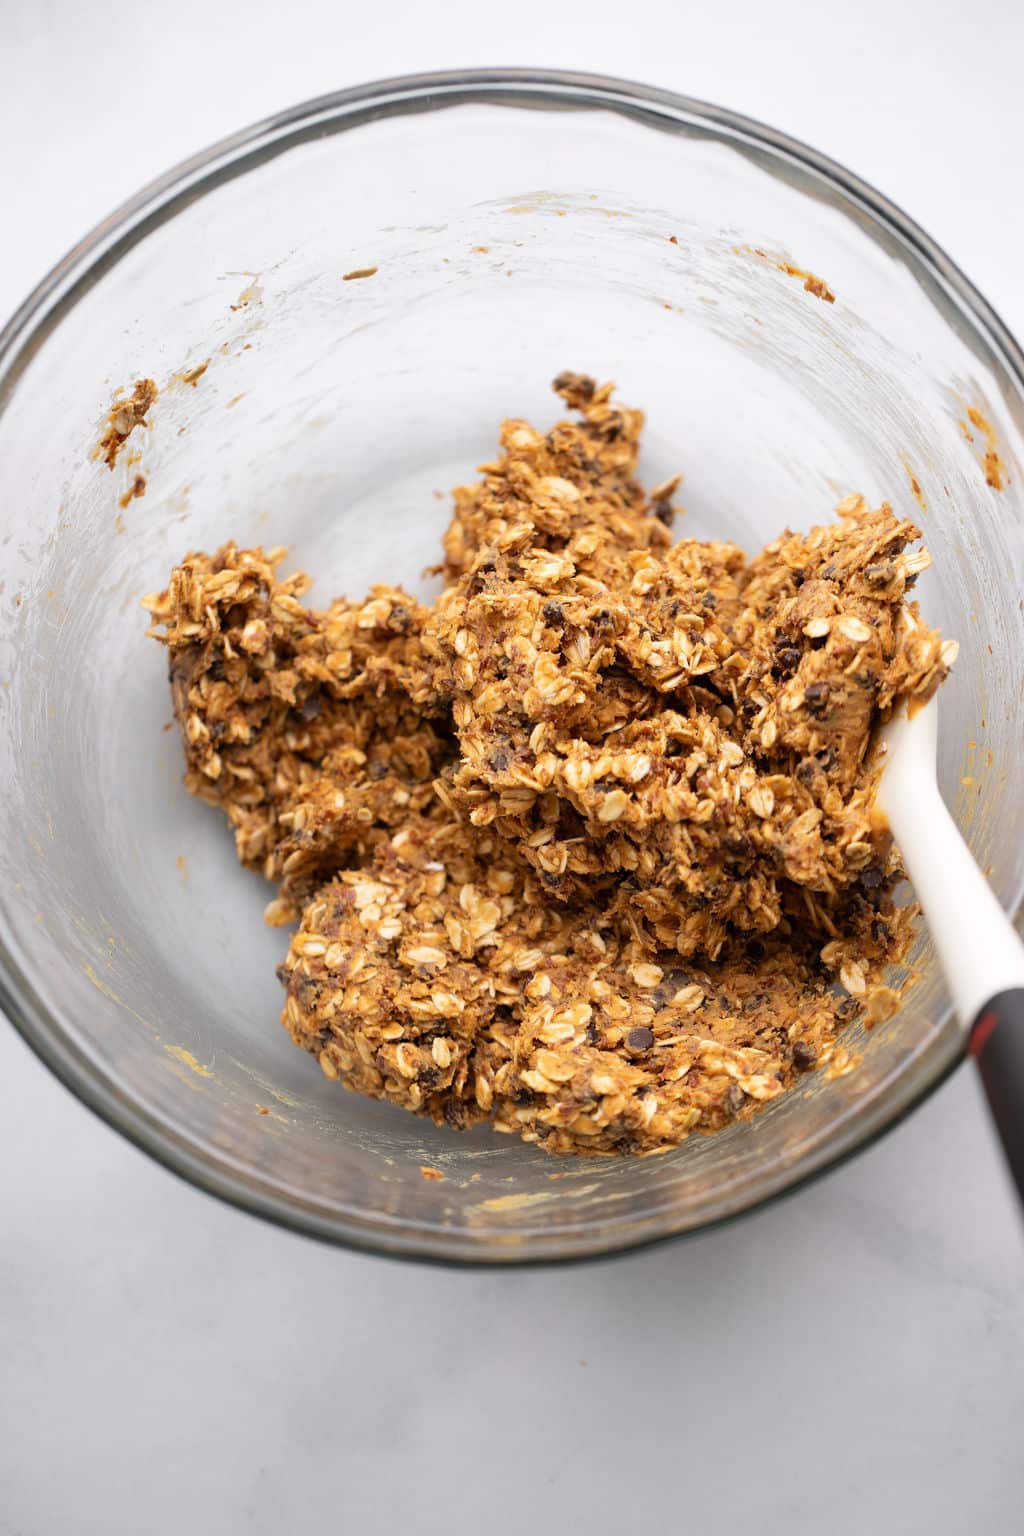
(587, 847)
(296, 723)
(438, 978)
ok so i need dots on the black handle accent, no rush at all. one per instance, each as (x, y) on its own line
(997, 1043)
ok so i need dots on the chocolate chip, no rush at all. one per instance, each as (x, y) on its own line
(786, 660)
(500, 760)
(311, 707)
(734, 1098)
(673, 981)
(816, 697)
(553, 612)
(640, 1039)
(803, 1056)
(872, 877)
(664, 513)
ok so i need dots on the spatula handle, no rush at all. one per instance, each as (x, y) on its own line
(997, 1044)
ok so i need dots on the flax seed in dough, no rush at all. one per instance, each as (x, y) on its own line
(587, 847)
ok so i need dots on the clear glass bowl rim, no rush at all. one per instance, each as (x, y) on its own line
(99, 251)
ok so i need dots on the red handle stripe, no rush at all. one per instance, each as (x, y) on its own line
(984, 1024)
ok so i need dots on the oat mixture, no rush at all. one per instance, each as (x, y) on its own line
(587, 847)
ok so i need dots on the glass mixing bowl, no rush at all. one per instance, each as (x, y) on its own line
(517, 224)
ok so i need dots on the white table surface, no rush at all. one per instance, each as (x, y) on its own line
(849, 1361)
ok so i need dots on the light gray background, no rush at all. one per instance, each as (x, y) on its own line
(849, 1361)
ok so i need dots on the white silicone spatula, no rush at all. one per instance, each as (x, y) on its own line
(979, 950)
